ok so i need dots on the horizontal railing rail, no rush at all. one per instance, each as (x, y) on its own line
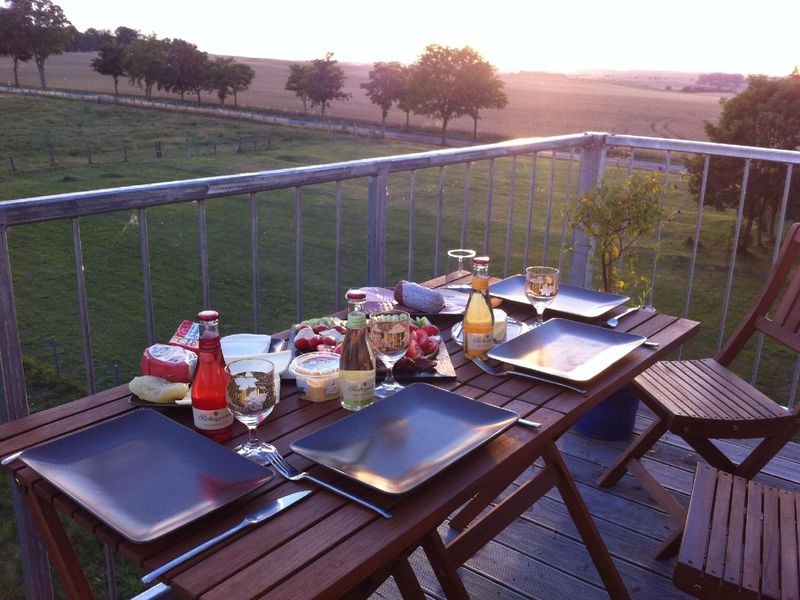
(510, 201)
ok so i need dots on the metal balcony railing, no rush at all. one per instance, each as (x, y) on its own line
(506, 199)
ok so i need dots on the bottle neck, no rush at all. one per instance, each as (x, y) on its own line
(356, 321)
(209, 335)
(480, 278)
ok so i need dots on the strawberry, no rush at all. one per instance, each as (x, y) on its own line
(430, 346)
(421, 337)
(431, 329)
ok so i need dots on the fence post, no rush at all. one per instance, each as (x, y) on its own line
(591, 168)
(158, 149)
(52, 154)
(269, 141)
(239, 145)
(56, 363)
(11, 160)
(188, 147)
(124, 152)
(89, 153)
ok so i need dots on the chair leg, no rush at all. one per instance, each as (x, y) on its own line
(636, 450)
(764, 452)
(711, 454)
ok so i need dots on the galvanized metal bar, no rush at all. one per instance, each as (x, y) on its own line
(775, 253)
(489, 198)
(373, 233)
(298, 253)
(795, 380)
(568, 207)
(111, 571)
(659, 230)
(83, 305)
(437, 239)
(630, 162)
(147, 279)
(12, 373)
(589, 174)
(383, 212)
(549, 207)
(36, 575)
(412, 197)
(337, 272)
(510, 217)
(531, 196)
(465, 214)
(255, 263)
(729, 286)
(203, 235)
(695, 245)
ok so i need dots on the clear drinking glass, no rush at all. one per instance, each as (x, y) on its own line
(459, 264)
(541, 288)
(253, 391)
(389, 336)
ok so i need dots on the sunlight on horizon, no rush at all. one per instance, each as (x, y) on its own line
(579, 36)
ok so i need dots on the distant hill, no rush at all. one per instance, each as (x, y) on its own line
(539, 103)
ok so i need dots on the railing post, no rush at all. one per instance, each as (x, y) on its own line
(591, 168)
(14, 405)
(376, 236)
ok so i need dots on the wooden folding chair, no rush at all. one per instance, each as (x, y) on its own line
(701, 400)
(741, 540)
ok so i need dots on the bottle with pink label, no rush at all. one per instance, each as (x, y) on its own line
(212, 417)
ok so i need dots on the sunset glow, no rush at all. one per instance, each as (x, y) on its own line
(679, 35)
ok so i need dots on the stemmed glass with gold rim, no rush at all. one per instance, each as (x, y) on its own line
(541, 288)
(389, 336)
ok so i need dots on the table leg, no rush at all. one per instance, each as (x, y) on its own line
(59, 546)
(586, 527)
(407, 581)
(444, 567)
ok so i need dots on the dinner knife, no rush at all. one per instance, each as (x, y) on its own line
(259, 516)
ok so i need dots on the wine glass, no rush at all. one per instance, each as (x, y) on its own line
(253, 391)
(389, 335)
(541, 287)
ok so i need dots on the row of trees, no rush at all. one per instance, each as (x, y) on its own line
(33, 29)
(175, 66)
(444, 83)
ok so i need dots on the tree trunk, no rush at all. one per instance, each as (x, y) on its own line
(40, 67)
(116, 86)
(305, 108)
(383, 121)
(235, 100)
(408, 117)
(475, 126)
(16, 71)
(198, 98)
(444, 131)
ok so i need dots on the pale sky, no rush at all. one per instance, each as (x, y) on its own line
(734, 36)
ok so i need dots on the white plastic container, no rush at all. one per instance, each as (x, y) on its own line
(317, 375)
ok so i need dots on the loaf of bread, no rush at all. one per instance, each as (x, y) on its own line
(418, 297)
(157, 389)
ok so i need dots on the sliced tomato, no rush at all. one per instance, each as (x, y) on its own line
(431, 329)
(414, 351)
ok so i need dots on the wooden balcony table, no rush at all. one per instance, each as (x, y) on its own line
(325, 546)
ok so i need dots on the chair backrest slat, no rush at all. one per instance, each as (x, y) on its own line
(784, 324)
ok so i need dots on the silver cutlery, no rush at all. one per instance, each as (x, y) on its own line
(253, 518)
(503, 372)
(614, 321)
(289, 472)
(531, 424)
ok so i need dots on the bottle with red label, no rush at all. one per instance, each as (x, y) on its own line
(212, 417)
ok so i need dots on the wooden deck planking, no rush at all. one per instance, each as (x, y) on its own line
(541, 556)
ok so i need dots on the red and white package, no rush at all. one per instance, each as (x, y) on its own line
(169, 362)
(187, 336)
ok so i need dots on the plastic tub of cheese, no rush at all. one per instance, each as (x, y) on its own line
(317, 375)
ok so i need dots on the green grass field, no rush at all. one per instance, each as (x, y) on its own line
(43, 267)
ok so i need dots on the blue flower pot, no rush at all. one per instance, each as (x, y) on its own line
(612, 419)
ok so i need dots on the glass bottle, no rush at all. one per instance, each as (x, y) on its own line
(356, 365)
(212, 417)
(478, 317)
(355, 300)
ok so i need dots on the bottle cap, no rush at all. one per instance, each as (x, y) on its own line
(356, 295)
(208, 315)
(480, 260)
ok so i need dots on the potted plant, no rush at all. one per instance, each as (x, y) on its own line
(619, 215)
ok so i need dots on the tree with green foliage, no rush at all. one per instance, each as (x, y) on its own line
(145, 62)
(221, 77)
(299, 82)
(326, 82)
(385, 86)
(126, 36)
(481, 86)
(45, 29)
(111, 61)
(406, 101)
(91, 40)
(241, 77)
(13, 37)
(436, 85)
(184, 68)
(765, 114)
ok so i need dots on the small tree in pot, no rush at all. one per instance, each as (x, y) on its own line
(618, 215)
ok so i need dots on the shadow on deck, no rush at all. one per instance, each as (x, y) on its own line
(541, 555)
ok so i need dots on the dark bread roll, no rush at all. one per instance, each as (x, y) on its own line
(418, 297)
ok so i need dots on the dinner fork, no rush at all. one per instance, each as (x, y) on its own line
(293, 474)
(502, 373)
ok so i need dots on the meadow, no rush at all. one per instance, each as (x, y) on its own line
(538, 103)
